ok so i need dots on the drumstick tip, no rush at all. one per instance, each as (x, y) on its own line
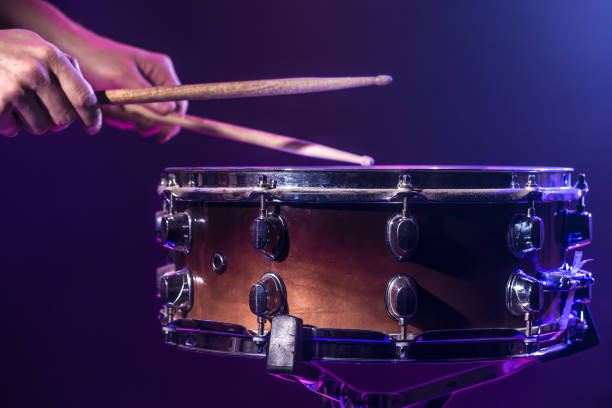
(383, 80)
(366, 161)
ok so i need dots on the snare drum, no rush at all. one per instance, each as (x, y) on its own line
(394, 264)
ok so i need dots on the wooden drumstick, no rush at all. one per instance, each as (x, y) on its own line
(252, 136)
(238, 89)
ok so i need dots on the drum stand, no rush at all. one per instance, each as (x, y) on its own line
(284, 361)
(432, 394)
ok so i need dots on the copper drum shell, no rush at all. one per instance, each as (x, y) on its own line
(338, 264)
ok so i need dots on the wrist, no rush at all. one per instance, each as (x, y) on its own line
(48, 22)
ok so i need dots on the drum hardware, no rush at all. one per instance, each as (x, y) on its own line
(284, 355)
(524, 297)
(166, 314)
(402, 232)
(219, 263)
(576, 228)
(268, 231)
(267, 299)
(580, 324)
(161, 271)
(531, 181)
(191, 181)
(570, 278)
(523, 293)
(432, 394)
(526, 232)
(173, 230)
(364, 346)
(374, 184)
(158, 224)
(401, 304)
(563, 279)
(176, 231)
(167, 204)
(515, 182)
(170, 182)
(176, 289)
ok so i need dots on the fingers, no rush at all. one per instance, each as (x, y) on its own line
(31, 114)
(57, 105)
(119, 117)
(159, 71)
(77, 91)
(8, 125)
(42, 88)
(149, 71)
(167, 132)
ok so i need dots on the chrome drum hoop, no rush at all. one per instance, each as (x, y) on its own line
(371, 184)
(363, 346)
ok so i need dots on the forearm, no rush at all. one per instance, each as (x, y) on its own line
(47, 21)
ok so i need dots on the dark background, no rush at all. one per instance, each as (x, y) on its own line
(476, 82)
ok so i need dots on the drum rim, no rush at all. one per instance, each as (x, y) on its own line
(364, 346)
(386, 167)
(371, 184)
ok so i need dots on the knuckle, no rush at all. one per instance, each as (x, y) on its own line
(34, 76)
(86, 99)
(12, 93)
(47, 52)
(166, 60)
(28, 34)
(163, 58)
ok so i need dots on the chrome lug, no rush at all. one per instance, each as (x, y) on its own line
(176, 231)
(576, 230)
(523, 293)
(525, 234)
(402, 236)
(268, 232)
(268, 296)
(401, 297)
(176, 289)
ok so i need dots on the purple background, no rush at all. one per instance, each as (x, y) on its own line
(512, 83)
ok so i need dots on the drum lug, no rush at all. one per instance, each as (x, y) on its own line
(175, 231)
(267, 299)
(525, 233)
(268, 232)
(402, 233)
(576, 230)
(401, 301)
(523, 293)
(176, 290)
(576, 226)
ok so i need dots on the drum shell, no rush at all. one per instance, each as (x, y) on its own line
(338, 264)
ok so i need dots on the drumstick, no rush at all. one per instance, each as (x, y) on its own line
(238, 89)
(257, 137)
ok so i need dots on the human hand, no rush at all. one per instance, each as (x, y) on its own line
(107, 64)
(41, 88)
